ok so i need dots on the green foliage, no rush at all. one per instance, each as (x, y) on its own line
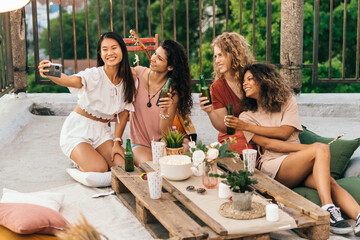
(35, 88)
(238, 181)
(258, 44)
(173, 138)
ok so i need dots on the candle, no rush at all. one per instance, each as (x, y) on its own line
(224, 190)
(272, 212)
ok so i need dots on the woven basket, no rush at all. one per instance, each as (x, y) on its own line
(174, 151)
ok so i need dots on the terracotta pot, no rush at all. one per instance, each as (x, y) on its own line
(174, 151)
(242, 201)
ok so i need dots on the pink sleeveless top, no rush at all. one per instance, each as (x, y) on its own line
(144, 121)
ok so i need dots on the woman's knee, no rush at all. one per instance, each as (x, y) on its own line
(98, 166)
(322, 149)
(333, 184)
(142, 154)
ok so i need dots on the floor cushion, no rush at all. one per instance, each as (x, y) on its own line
(45, 199)
(353, 168)
(350, 184)
(6, 234)
(91, 179)
(341, 150)
(26, 218)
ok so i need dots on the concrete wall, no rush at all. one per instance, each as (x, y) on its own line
(326, 114)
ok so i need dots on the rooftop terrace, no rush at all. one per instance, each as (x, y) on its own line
(31, 159)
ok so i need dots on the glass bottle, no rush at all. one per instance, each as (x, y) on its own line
(205, 90)
(164, 91)
(229, 130)
(129, 157)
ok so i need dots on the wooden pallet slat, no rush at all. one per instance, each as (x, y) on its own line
(163, 210)
(190, 205)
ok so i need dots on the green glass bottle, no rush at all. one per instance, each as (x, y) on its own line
(129, 157)
(164, 91)
(205, 90)
(229, 130)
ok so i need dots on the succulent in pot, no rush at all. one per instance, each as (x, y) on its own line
(239, 183)
(174, 142)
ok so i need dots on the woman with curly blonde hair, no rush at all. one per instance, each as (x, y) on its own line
(269, 103)
(231, 55)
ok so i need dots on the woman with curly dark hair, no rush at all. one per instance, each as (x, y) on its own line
(150, 121)
(269, 103)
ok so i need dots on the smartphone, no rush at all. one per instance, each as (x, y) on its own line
(54, 70)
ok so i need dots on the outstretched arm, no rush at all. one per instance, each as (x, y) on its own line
(64, 80)
(282, 133)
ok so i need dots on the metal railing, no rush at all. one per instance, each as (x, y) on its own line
(6, 67)
(126, 26)
(330, 78)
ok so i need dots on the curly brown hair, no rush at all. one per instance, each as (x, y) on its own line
(274, 91)
(236, 47)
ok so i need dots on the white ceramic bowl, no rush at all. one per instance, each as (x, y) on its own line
(176, 167)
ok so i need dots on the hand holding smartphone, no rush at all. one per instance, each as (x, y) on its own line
(54, 70)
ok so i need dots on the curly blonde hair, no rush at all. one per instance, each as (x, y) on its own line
(274, 91)
(236, 47)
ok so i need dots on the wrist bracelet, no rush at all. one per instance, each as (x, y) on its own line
(118, 140)
(164, 116)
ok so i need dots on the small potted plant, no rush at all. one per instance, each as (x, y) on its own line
(239, 182)
(174, 142)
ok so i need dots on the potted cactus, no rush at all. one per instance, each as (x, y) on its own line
(174, 142)
(239, 182)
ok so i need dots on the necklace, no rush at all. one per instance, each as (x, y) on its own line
(148, 83)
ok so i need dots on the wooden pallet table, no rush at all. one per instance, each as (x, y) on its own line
(173, 215)
(312, 221)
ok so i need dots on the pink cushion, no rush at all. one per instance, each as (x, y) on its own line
(26, 218)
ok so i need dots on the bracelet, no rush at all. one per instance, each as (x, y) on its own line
(118, 140)
(164, 116)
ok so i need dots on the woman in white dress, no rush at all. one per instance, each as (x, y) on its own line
(104, 92)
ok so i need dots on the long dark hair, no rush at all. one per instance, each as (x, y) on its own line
(124, 71)
(181, 80)
(274, 91)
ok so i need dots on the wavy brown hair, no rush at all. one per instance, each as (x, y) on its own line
(181, 79)
(274, 91)
(236, 47)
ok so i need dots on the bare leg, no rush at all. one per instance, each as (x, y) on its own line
(88, 159)
(142, 154)
(340, 197)
(105, 151)
(299, 165)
